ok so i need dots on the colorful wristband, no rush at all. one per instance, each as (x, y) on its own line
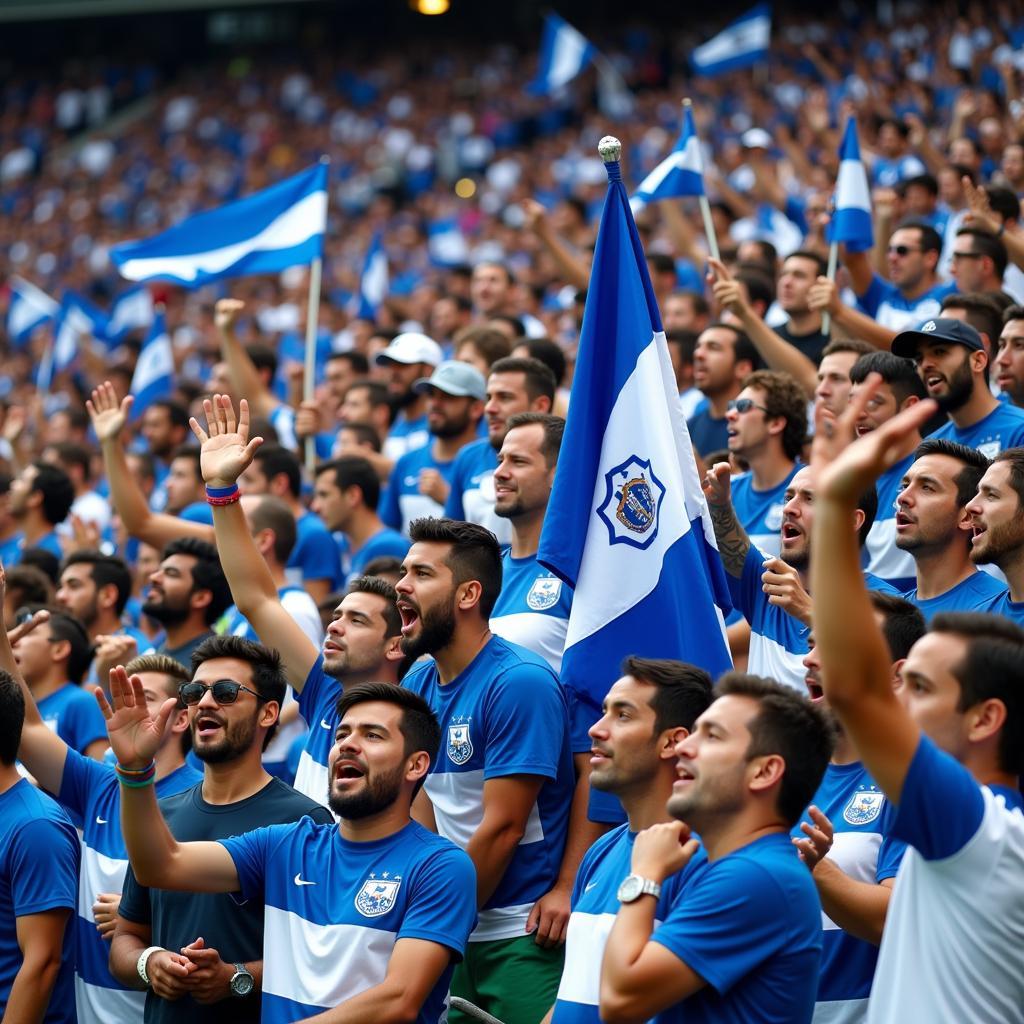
(223, 495)
(136, 778)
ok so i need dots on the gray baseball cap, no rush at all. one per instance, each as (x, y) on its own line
(454, 377)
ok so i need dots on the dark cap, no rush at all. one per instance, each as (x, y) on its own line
(941, 329)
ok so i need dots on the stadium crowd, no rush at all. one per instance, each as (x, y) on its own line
(282, 732)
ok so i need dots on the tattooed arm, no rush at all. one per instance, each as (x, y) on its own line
(733, 542)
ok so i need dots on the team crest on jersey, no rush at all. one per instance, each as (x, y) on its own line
(773, 518)
(460, 743)
(544, 593)
(990, 449)
(865, 805)
(378, 895)
(633, 496)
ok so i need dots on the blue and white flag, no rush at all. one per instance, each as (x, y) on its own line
(564, 53)
(742, 44)
(851, 221)
(280, 227)
(681, 173)
(373, 285)
(78, 318)
(29, 307)
(132, 311)
(627, 525)
(446, 244)
(154, 371)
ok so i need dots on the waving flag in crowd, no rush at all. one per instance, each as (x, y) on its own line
(280, 227)
(742, 44)
(77, 318)
(29, 307)
(373, 285)
(627, 525)
(154, 371)
(564, 53)
(681, 173)
(851, 222)
(132, 311)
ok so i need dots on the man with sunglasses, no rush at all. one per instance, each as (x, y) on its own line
(206, 948)
(364, 920)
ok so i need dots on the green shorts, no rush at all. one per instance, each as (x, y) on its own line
(514, 980)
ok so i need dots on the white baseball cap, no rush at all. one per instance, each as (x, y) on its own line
(409, 348)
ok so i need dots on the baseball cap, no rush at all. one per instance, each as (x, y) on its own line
(756, 138)
(454, 377)
(943, 328)
(410, 347)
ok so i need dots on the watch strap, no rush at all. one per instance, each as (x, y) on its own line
(140, 964)
(650, 888)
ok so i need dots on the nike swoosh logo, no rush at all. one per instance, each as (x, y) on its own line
(299, 880)
(325, 723)
(587, 888)
(100, 821)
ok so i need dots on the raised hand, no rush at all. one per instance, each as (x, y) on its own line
(134, 734)
(225, 313)
(662, 850)
(226, 448)
(108, 415)
(979, 210)
(727, 291)
(718, 484)
(816, 846)
(823, 295)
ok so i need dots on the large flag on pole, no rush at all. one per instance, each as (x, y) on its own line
(373, 284)
(154, 372)
(681, 173)
(280, 227)
(29, 307)
(132, 311)
(627, 525)
(742, 44)
(564, 53)
(851, 222)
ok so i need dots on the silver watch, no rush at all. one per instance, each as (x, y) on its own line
(242, 982)
(635, 886)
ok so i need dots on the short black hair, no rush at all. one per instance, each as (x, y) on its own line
(354, 471)
(974, 464)
(57, 490)
(419, 725)
(366, 434)
(538, 378)
(380, 587)
(1013, 312)
(105, 570)
(1003, 201)
(64, 626)
(70, 453)
(263, 357)
(814, 257)
(900, 374)
(903, 624)
(207, 573)
(661, 263)
(193, 455)
(270, 513)
(926, 181)
(760, 285)
(552, 426)
(868, 504)
(931, 240)
(376, 392)
(267, 674)
(490, 343)
(12, 718)
(1014, 458)
(984, 314)
(383, 564)
(548, 352)
(176, 412)
(986, 244)
(682, 692)
(789, 725)
(359, 363)
(992, 669)
(743, 348)
(475, 554)
(30, 583)
(274, 459)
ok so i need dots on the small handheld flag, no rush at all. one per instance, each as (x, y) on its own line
(564, 53)
(851, 222)
(742, 44)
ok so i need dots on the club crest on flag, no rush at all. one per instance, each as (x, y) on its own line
(633, 498)
(544, 593)
(460, 743)
(865, 805)
(377, 896)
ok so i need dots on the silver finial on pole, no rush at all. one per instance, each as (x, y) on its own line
(610, 149)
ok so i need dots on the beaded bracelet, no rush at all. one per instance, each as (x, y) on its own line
(223, 495)
(136, 778)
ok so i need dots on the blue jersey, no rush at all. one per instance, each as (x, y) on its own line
(10, 550)
(978, 593)
(334, 910)
(1002, 428)
(317, 703)
(38, 872)
(73, 714)
(594, 906)
(883, 558)
(315, 555)
(1013, 610)
(760, 512)
(884, 302)
(888, 173)
(749, 924)
(403, 502)
(472, 495)
(860, 817)
(504, 714)
(406, 435)
(385, 543)
(707, 433)
(48, 542)
(91, 795)
(197, 512)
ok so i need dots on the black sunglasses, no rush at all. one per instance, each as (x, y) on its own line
(744, 405)
(902, 250)
(225, 691)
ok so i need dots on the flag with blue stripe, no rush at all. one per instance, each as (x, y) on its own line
(154, 372)
(78, 318)
(131, 311)
(627, 525)
(681, 173)
(280, 227)
(851, 221)
(446, 244)
(743, 44)
(29, 307)
(564, 53)
(373, 285)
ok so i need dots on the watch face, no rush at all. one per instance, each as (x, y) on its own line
(241, 984)
(631, 887)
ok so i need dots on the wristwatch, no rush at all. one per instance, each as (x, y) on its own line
(242, 982)
(635, 886)
(140, 964)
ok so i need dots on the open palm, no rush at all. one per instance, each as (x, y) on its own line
(107, 413)
(226, 448)
(134, 734)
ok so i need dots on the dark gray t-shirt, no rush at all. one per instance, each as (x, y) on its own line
(229, 924)
(183, 654)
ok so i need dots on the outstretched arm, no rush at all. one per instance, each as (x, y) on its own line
(823, 295)
(244, 375)
(856, 664)
(226, 452)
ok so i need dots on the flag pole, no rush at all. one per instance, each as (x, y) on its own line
(705, 207)
(312, 324)
(833, 261)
